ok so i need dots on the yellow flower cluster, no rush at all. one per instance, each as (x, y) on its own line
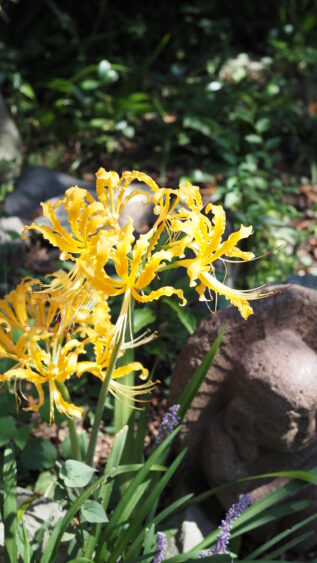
(44, 330)
(46, 343)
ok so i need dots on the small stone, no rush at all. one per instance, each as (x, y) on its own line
(10, 145)
(171, 549)
(40, 512)
(10, 229)
(194, 528)
(37, 184)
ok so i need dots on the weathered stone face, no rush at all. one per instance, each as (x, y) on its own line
(256, 410)
(274, 394)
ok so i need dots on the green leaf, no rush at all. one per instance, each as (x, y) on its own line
(197, 124)
(9, 476)
(106, 488)
(273, 143)
(113, 462)
(157, 348)
(262, 125)
(232, 199)
(253, 139)
(271, 542)
(7, 401)
(102, 123)
(89, 84)
(38, 455)
(127, 503)
(191, 388)
(27, 90)
(66, 446)
(63, 523)
(186, 317)
(148, 540)
(149, 501)
(45, 484)
(23, 543)
(76, 473)
(142, 317)
(289, 545)
(270, 515)
(21, 436)
(255, 512)
(93, 512)
(172, 509)
(7, 430)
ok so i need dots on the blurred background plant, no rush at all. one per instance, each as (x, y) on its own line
(188, 89)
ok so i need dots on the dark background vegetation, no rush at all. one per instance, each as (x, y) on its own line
(222, 93)
(148, 85)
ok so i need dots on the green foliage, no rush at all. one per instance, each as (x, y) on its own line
(9, 431)
(75, 473)
(117, 522)
(38, 455)
(118, 83)
(9, 479)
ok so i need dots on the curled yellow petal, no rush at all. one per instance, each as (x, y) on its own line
(63, 407)
(167, 291)
(129, 368)
(238, 298)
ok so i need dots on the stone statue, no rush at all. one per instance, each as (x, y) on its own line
(256, 410)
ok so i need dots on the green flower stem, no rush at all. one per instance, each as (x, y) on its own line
(101, 400)
(71, 425)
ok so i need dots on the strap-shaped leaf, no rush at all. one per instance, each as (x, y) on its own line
(139, 516)
(9, 475)
(271, 542)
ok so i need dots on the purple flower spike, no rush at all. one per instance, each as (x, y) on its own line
(161, 545)
(169, 421)
(225, 527)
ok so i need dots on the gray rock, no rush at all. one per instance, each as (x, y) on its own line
(40, 511)
(10, 145)
(37, 184)
(194, 527)
(172, 548)
(10, 229)
(12, 248)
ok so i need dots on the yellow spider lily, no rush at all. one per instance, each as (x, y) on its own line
(97, 242)
(39, 366)
(29, 337)
(88, 221)
(97, 238)
(204, 238)
(99, 331)
(136, 266)
(32, 336)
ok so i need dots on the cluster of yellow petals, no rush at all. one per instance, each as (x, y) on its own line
(44, 330)
(110, 259)
(41, 353)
